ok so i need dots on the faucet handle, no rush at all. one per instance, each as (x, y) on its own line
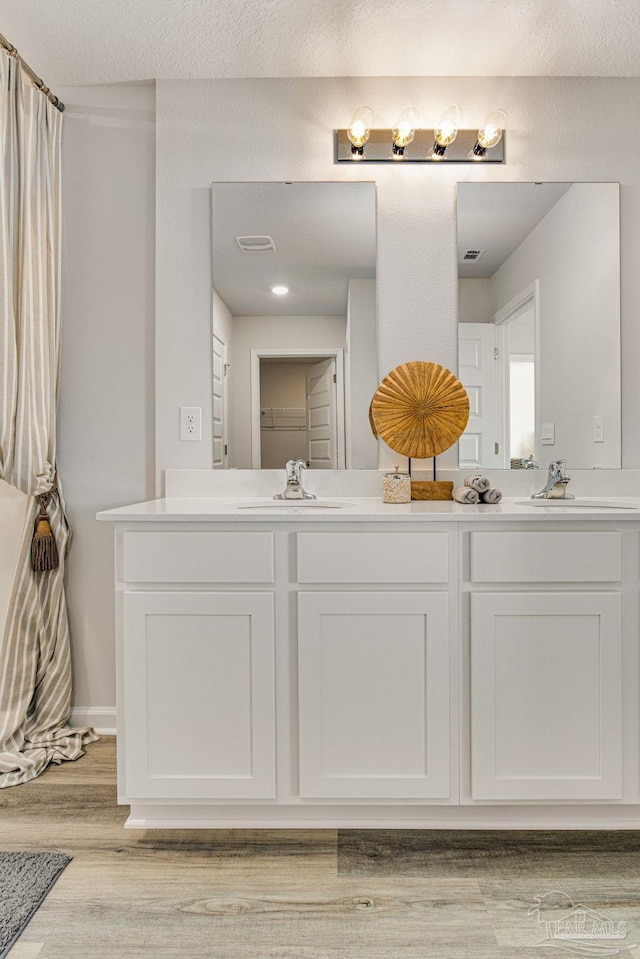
(293, 468)
(556, 468)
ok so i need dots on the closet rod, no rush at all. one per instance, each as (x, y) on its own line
(40, 84)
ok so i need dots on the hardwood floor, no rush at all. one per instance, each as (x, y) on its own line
(299, 895)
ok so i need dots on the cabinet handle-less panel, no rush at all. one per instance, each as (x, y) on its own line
(374, 695)
(373, 558)
(199, 695)
(199, 557)
(546, 557)
(546, 690)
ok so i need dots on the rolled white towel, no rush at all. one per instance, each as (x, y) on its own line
(478, 482)
(463, 494)
(491, 496)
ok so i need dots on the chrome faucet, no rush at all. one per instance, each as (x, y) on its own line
(294, 488)
(556, 485)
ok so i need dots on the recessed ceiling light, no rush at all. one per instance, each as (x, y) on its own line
(280, 290)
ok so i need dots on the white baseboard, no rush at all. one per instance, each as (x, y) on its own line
(102, 718)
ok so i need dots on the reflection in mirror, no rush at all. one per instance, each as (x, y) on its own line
(539, 324)
(294, 324)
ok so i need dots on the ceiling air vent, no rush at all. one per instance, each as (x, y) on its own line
(256, 244)
(471, 256)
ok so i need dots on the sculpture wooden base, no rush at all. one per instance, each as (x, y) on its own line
(431, 489)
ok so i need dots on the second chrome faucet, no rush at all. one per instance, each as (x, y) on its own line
(556, 485)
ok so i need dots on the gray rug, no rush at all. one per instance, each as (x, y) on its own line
(25, 880)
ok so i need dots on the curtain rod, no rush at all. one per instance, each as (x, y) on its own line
(51, 97)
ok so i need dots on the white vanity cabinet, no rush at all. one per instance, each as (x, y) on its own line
(546, 665)
(443, 669)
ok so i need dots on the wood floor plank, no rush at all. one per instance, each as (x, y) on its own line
(26, 950)
(489, 853)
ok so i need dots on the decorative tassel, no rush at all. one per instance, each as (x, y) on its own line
(44, 553)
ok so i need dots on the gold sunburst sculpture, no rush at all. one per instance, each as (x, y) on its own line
(420, 409)
(371, 422)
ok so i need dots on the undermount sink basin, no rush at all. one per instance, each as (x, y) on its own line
(291, 504)
(582, 503)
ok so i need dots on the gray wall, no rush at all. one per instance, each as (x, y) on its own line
(106, 397)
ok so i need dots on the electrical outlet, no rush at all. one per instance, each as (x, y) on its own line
(190, 422)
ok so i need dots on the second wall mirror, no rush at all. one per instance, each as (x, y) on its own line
(539, 324)
(294, 324)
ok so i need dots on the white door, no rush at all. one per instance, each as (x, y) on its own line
(199, 695)
(373, 695)
(479, 445)
(322, 415)
(220, 439)
(546, 691)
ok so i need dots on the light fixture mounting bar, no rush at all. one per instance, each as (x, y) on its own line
(378, 149)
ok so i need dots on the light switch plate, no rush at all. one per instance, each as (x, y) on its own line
(548, 434)
(598, 428)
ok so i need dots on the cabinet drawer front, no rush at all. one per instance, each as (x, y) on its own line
(198, 557)
(546, 557)
(373, 558)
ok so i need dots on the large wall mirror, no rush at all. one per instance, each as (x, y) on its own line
(539, 324)
(294, 324)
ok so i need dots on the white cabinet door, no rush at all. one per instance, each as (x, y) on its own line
(374, 695)
(546, 689)
(199, 695)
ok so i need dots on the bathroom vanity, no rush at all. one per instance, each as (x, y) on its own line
(365, 665)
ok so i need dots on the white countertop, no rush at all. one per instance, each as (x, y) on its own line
(360, 509)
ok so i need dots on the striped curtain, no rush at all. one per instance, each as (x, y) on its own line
(35, 665)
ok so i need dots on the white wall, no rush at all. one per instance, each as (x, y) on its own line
(361, 372)
(556, 130)
(270, 332)
(474, 300)
(579, 350)
(106, 397)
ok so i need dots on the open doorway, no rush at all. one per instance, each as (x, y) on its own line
(297, 409)
(517, 332)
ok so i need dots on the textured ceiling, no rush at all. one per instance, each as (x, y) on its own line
(79, 42)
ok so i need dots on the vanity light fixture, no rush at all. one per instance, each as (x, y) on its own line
(359, 131)
(280, 290)
(404, 130)
(446, 132)
(413, 143)
(490, 133)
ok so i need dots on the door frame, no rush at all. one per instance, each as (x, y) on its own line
(501, 319)
(302, 354)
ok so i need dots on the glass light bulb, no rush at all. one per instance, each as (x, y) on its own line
(359, 130)
(447, 128)
(404, 129)
(490, 133)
